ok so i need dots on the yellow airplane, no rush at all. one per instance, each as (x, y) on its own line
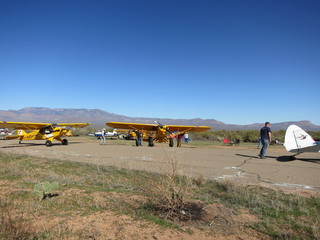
(157, 132)
(41, 131)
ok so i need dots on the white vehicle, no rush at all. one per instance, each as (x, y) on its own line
(298, 141)
(113, 134)
(4, 132)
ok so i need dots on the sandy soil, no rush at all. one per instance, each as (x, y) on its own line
(237, 163)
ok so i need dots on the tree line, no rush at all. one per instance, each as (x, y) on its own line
(243, 135)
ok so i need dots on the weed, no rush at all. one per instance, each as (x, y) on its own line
(44, 190)
(199, 181)
(167, 194)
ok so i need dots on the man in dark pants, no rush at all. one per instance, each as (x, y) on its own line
(139, 138)
(265, 135)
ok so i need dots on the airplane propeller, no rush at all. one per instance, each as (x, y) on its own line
(161, 126)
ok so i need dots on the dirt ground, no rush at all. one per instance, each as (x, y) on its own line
(221, 162)
(239, 164)
(220, 222)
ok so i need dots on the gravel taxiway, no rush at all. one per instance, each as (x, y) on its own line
(234, 163)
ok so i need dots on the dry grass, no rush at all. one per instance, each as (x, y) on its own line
(86, 192)
(168, 193)
(282, 216)
(13, 224)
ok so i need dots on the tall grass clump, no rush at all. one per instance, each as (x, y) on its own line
(168, 192)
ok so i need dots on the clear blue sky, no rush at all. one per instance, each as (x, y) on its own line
(234, 61)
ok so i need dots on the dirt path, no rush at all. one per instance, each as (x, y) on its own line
(241, 164)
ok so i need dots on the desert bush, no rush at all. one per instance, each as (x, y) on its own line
(250, 136)
(315, 135)
(168, 192)
(244, 136)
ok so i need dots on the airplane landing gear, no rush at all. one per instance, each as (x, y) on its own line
(64, 142)
(171, 142)
(293, 157)
(150, 141)
(48, 143)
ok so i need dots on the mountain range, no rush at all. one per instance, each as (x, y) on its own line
(99, 117)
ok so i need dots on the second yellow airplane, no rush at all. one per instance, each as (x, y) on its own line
(157, 132)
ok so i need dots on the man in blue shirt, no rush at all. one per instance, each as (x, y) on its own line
(265, 135)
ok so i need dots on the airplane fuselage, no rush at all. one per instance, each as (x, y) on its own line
(161, 135)
(55, 133)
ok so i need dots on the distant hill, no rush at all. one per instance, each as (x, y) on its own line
(99, 117)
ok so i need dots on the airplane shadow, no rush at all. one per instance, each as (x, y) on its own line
(288, 159)
(21, 145)
(283, 158)
(255, 156)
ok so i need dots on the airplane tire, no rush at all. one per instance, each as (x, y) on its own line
(48, 143)
(64, 142)
(171, 142)
(151, 144)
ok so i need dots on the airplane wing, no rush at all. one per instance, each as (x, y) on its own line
(154, 127)
(23, 125)
(182, 128)
(34, 126)
(133, 126)
(73, 125)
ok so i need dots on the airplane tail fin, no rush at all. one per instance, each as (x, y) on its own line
(69, 133)
(296, 139)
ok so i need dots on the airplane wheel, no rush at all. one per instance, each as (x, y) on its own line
(171, 142)
(64, 142)
(48, 143)
(151, 144)
(20, 142)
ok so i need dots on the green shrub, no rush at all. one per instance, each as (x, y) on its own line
(44, 190)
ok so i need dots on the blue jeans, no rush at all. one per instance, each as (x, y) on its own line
(103, 140)
(265, 144)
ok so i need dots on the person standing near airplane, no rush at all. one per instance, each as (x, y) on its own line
(186, 137)
(103, 137)
(139, 138)
(179, 139)
(266, 137)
